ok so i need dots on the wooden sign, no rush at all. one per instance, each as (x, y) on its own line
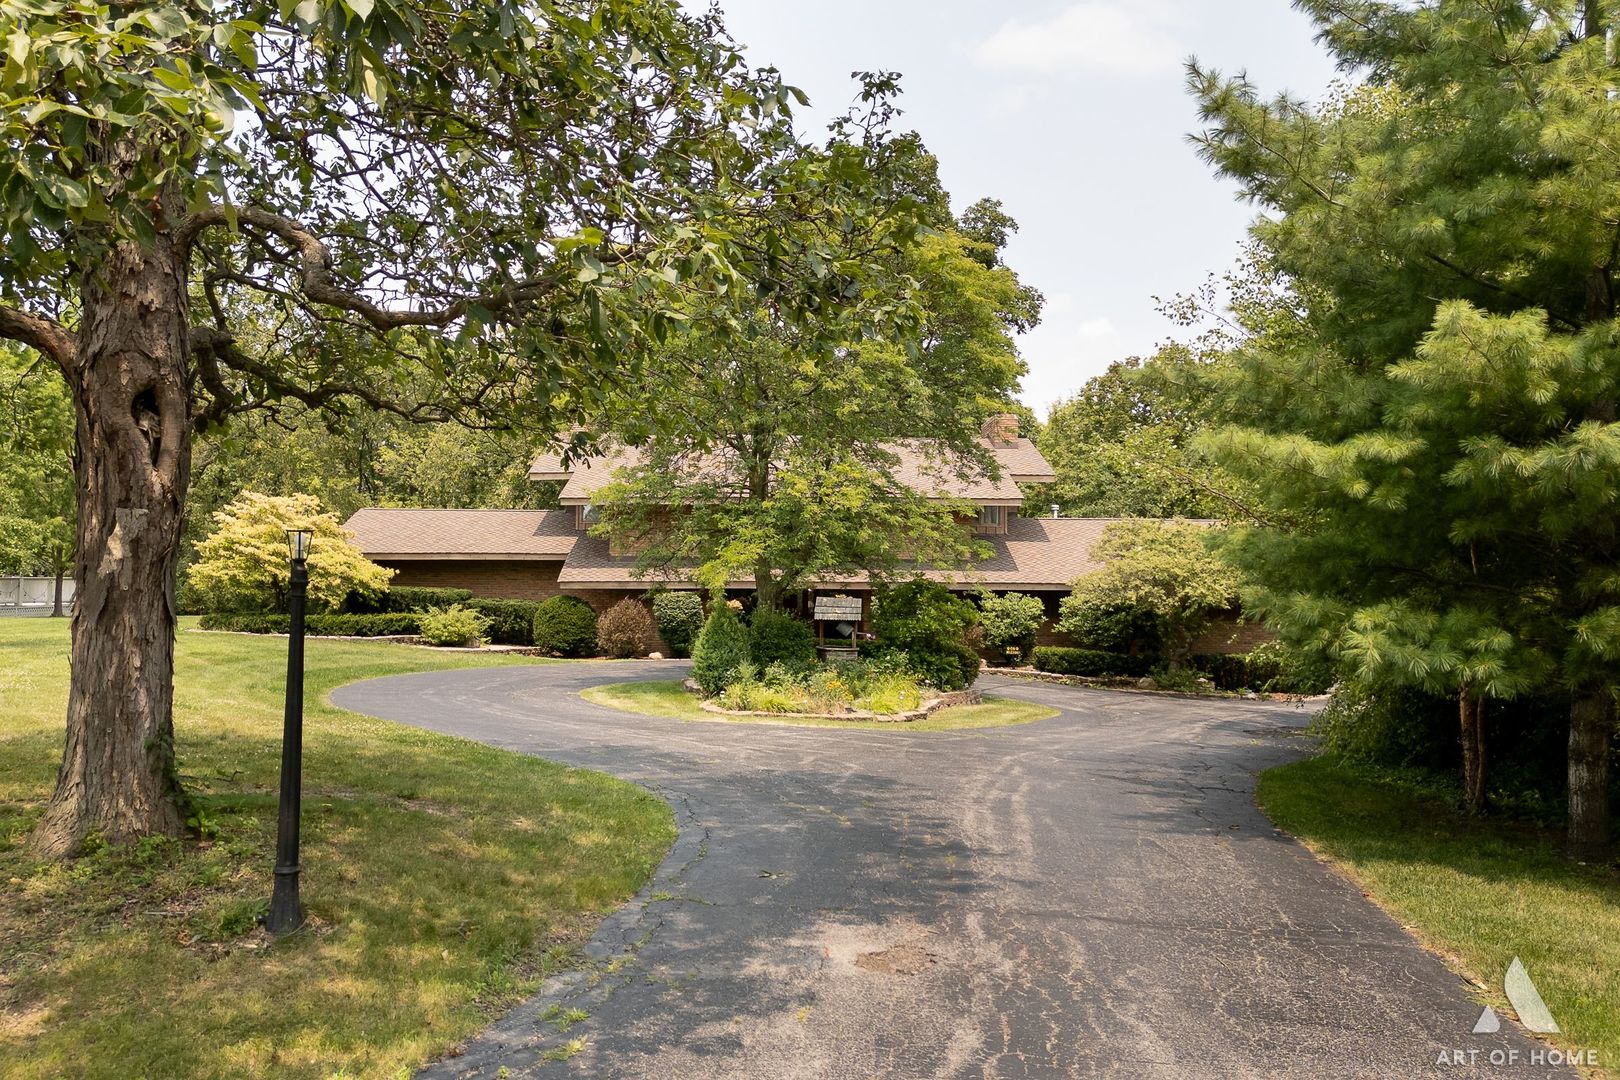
(838, 609)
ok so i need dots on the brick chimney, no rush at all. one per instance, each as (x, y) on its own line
(1001, 430)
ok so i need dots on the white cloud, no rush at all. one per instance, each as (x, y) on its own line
(1116, 37)
(1092, 329)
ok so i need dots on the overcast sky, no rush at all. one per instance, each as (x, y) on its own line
(1075, 116)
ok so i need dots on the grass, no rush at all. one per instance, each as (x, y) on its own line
(443, 879)
(1477, 891)
(668, 698)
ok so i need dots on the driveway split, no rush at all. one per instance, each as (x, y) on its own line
(1091, 895)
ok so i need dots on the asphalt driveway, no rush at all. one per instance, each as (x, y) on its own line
(1091, 895)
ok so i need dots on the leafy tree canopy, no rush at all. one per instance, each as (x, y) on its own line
(481, 210)
(36, 468)
(784, 458)
(1122, 446)
(1163, 567)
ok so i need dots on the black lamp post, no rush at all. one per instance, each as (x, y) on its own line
(286, 913)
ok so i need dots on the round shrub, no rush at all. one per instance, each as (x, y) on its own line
(1011, 622)
(565, 626)
(679, 616)
(930, 625)
(511, 622)
(721, 648)
(624, 629)
(777, 636)
(1122, 628)
(454, 625)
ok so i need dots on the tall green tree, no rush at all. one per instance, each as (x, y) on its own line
(1121, 446)
(782, 456)
(37, 503)
(1429, 406)
(457, 209)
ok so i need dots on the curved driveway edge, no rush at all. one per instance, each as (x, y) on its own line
(1090, 895)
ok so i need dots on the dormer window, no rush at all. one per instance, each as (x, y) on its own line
(992, 519)
(587, 515)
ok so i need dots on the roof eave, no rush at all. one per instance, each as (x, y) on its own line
(464, 556)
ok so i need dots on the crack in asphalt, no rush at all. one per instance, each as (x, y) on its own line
(1097, 894)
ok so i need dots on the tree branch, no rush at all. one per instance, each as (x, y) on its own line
(40, 332)
(210, 348)
(320, 285)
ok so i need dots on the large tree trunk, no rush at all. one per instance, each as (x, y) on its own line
(1471, 714)
(1591, 724)
(767, 587)
(132, 463)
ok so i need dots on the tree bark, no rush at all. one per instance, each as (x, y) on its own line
(1471, 714)
(132, 462)
(56, 596)
(1591, 725)
(767, 588)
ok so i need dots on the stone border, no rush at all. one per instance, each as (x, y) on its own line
(1126, 684)
(928, 708)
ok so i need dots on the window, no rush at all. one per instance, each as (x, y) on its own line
(992, 518)
(588, 514)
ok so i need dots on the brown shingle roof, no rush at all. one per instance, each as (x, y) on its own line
(1035, 553)
(1023, 461)
(1044, 553)
(386, 532)
(917, 467)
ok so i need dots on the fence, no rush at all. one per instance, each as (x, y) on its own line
(32, 595)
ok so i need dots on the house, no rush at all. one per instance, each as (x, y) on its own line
(537, 554)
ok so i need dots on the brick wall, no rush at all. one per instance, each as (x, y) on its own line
(509, 580)
(1227, 635)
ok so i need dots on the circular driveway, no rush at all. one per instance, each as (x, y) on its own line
(1090, 895)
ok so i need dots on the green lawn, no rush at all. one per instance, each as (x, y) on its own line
(443, 879)
(1479, 892)
(667, 697)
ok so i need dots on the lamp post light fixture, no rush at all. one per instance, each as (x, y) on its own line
(286, 913)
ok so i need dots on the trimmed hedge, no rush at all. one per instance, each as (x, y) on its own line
(565, 626)
(1234, 671)
(679, 616)
(511, 622)
(1092, 663)
(376, 625)
(405, 599)
(1269, 669)
(245, 622)
(775, 635)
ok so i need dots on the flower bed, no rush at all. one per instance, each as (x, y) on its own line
(925, 707)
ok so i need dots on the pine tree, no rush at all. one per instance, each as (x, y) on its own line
(1429, 404)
